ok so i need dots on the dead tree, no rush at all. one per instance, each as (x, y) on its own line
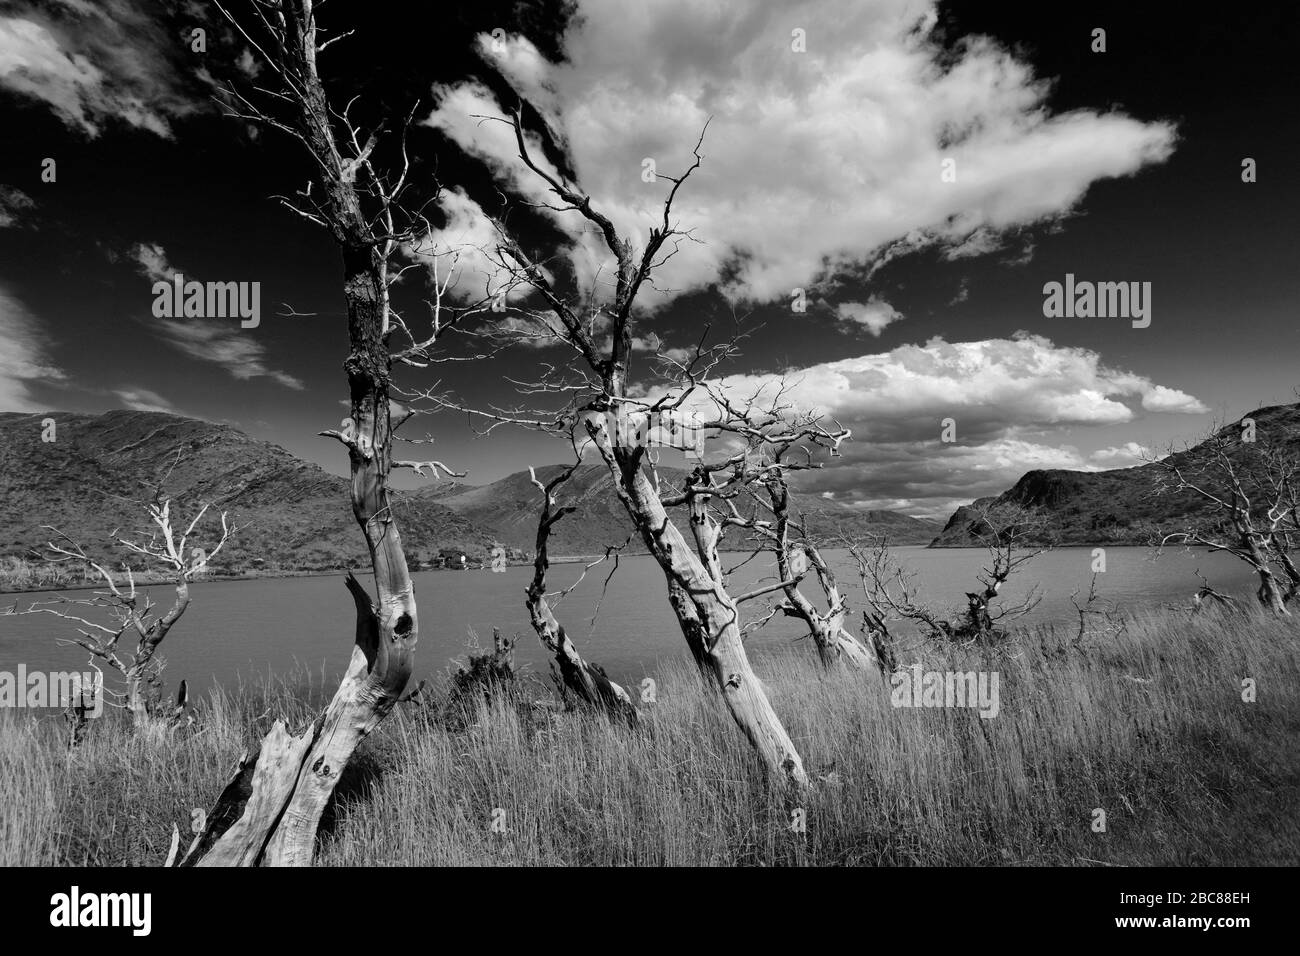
(1207, 597)
(1250, 488)
(890, 594)
(125, 612)
(786, 537)
(1096, 608)
(599, 327)
(359, 192)
(587, 682)
(1007, 532)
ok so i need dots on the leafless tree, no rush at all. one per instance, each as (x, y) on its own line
(599, 326)
(1098, 616)
(786, 537)
(586, 681)
(1250, 487)
(359, 190)
(122, 611)
(1007, 533)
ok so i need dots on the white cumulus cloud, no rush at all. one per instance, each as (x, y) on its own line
(814, 162)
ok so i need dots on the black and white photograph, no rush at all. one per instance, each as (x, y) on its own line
(647, 434)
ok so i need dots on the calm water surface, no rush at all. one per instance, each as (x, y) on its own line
(241, 630)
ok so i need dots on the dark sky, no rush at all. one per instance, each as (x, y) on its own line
(113, 93)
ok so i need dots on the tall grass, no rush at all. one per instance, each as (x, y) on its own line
(1149, 727)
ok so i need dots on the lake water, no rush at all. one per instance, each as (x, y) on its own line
(240, 630)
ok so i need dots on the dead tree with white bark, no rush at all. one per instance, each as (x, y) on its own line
(797, 553)
(1008, 533)
(763, 471)
(359, 189)
(127, 631)
(602, 401)
(584, 681)
(1250, 487)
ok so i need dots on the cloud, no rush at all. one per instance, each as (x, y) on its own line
(94, 63)
(143, 400)
(872, 315)
(987, 386)
(229, 347)
(1004, 396)
(814, 162)
(460, 254)
(23, 359)
(13, 202)
(151, 262)
(1121, 456)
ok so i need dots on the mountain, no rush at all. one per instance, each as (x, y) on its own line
(294, 515)
(509, 507)
(1116, 507)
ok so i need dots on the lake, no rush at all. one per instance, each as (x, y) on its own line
(240, 630)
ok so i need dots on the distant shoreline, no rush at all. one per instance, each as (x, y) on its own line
(146, 581)
(564, 559)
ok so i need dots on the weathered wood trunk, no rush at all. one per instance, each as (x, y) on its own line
(836, 647)
(711, 617)
(289, 809)
(293, 777)
(586, 681)
(387, 631)
(1270, 593)
(135, 699)
(688, 619)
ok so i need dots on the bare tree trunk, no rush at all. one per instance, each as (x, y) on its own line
(1270, 594)
(1270, 590)
(836, 647)
(386, 631)
(135, 704)
(688, 618)
(280, 829)
(587, 682)
(716, 620)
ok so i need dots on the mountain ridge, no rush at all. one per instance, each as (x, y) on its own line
(1118, 506)
(294, 516)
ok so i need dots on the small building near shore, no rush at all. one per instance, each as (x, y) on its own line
(453, 558)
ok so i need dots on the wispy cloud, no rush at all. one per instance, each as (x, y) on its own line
(207, 340)
(23, 357)
(1121, 456)
(13, 204)
(144, 400)
(93, 63)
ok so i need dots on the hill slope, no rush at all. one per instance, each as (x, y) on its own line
(296, 514)
(1119, 506)
(84, 483)
(509, 507)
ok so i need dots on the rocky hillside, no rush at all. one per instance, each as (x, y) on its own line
(1119, 506)
(295, 516)
(88, 481)
(509, 507)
